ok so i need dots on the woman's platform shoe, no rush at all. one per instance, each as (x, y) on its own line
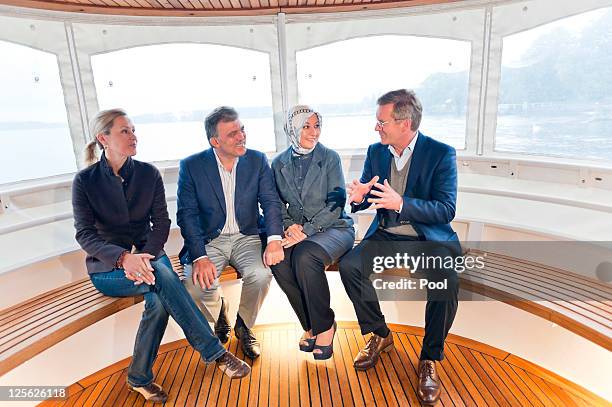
(326, 350)
(307, 344)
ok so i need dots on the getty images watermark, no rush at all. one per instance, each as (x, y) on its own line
(429, 272)
(416, 270)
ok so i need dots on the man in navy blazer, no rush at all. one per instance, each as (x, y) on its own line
(411, 181)
(220, 191)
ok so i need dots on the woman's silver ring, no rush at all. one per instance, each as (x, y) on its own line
(289, 234)
(138, 274)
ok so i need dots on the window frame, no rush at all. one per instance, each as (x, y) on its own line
(515, 18)
(204, 144)
(308, 31)
(482, 22)
(252, 33)
(49, 37)
(348, 149)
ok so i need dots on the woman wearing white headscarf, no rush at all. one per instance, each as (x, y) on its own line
(318, 232)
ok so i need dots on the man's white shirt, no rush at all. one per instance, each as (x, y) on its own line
(228, 183)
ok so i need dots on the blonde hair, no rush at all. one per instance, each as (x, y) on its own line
(100, 124)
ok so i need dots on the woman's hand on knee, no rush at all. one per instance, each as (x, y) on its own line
(292, 240)
(138, 268)
(293, 235)
(294, 229)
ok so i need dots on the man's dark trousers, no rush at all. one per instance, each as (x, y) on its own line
(441, 307)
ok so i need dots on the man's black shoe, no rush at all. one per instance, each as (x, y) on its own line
(222, 326)
(248, 342)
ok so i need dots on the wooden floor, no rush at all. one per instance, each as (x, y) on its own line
(473, 374)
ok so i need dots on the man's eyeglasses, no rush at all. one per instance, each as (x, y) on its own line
(381, 124)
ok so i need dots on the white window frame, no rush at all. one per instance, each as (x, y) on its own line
(509, 19)
(441, 21)
(252, 33)
(74, 37)
(50, 37)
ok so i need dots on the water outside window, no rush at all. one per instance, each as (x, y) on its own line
(556, 89)
(168, 89)
(34, 135)
(346, 95)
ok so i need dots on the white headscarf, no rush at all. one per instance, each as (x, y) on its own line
(296, 118)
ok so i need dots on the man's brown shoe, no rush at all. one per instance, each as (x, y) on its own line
(368, 356)
(232, 366)
(151, 392)
(429, 383)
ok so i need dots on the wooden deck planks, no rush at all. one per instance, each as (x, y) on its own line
(364, 385)
(472, 374)
(353, 379)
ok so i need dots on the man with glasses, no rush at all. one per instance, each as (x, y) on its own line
(411, 181)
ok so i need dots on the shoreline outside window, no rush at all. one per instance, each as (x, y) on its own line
(35, 138)
(167, 89)
(555, 94)
(343, 80)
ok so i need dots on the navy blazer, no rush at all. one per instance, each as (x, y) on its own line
(201, 203)
(431, 189)
(111, 216)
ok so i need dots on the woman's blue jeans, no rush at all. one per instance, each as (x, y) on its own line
(166, 296)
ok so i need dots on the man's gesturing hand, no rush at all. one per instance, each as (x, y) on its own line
(387, 197)
(357, 190)
(204, 273)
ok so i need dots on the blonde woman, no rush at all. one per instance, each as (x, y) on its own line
(122, 223)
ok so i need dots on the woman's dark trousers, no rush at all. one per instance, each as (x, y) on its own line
(301, 275)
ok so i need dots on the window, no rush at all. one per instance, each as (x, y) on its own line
(343, 80)
(34, 135)
(556, 89)
(168, 89)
